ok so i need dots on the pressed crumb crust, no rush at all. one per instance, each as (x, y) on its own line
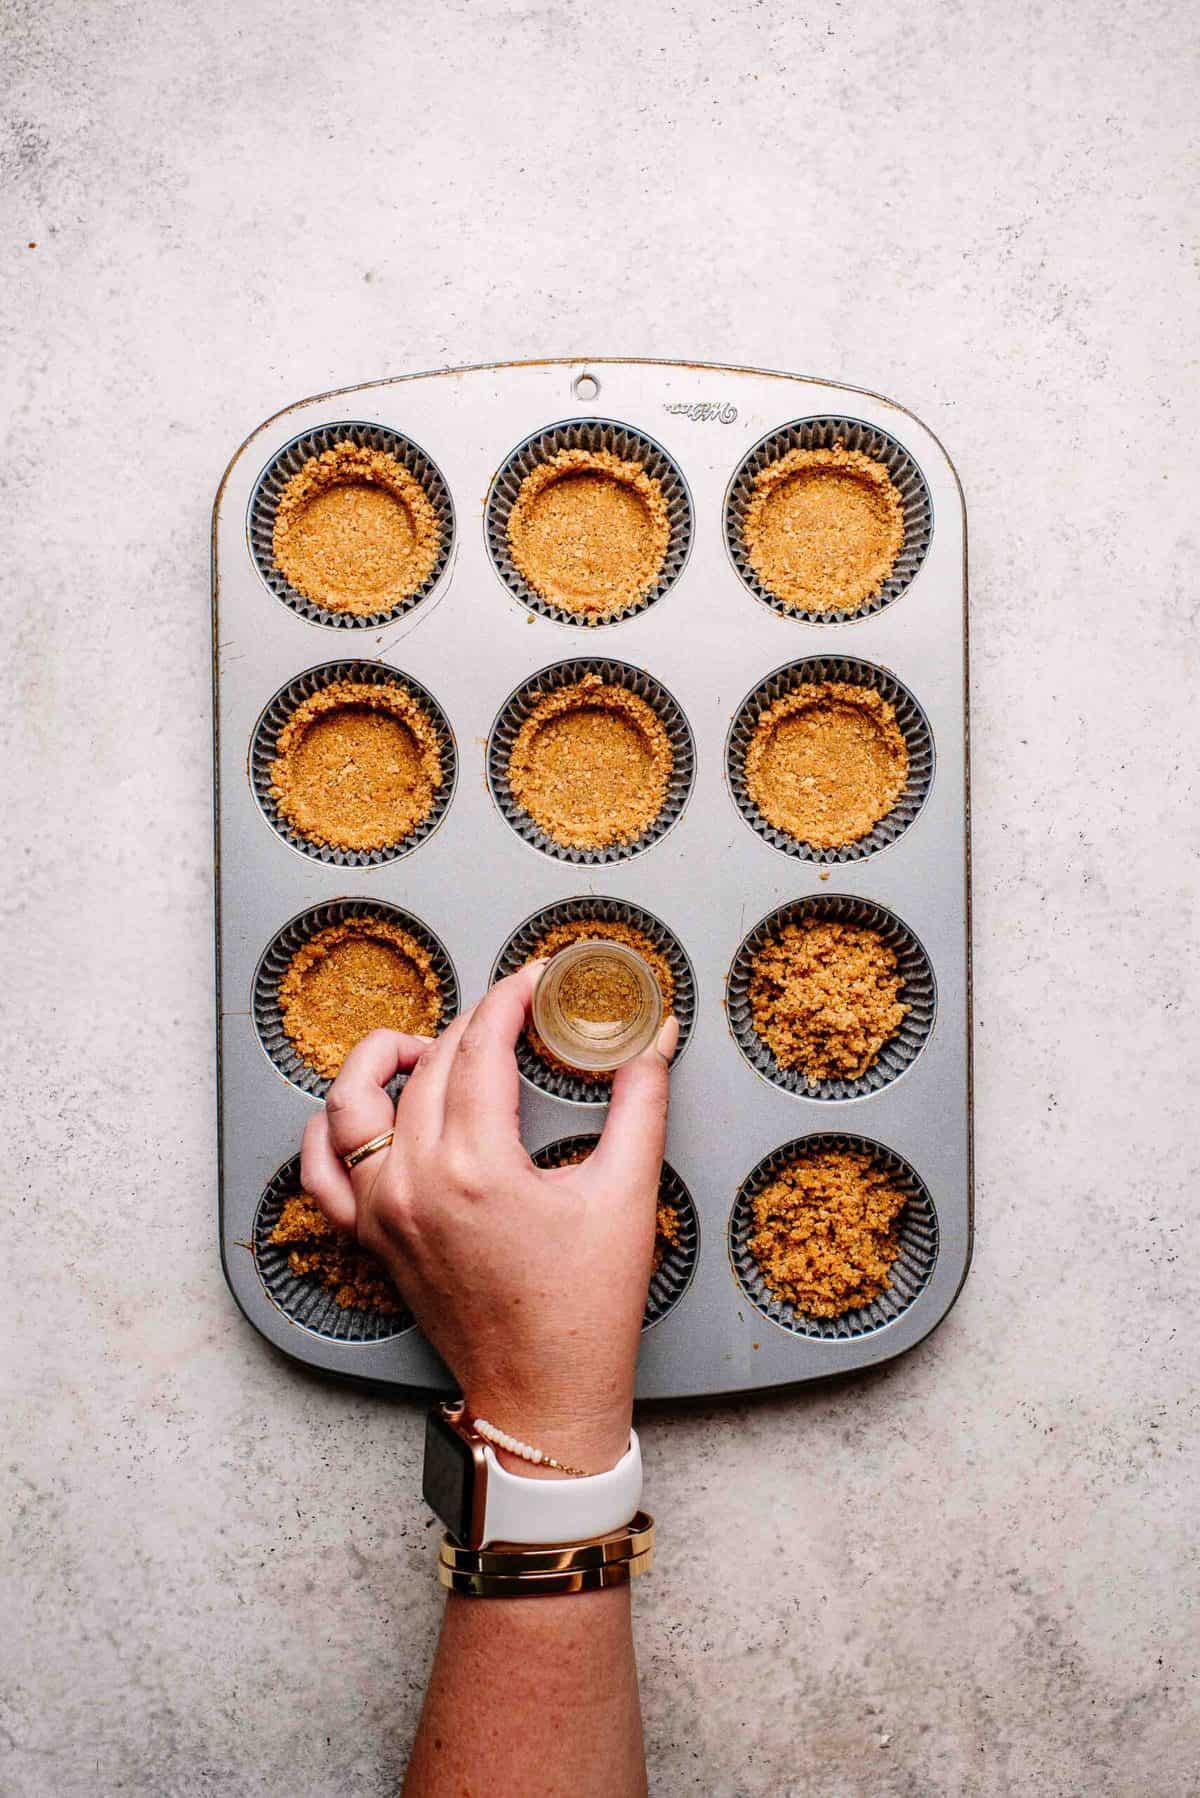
(823, 997)
(355, 531)
(580, 930)
(318, 1250)
(668, 1225)
(364, 974)
(357, 766)
(589, 532)
(823, 528)
(591, 764)
(826, 762)
(826, 1233)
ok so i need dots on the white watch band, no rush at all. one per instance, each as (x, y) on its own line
(545, 1512)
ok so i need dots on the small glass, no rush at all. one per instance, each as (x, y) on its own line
(597, 1005)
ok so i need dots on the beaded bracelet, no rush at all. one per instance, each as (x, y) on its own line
(524, 1451)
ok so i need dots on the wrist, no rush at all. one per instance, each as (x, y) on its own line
(592, 1443)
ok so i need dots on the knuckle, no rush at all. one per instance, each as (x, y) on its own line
(462, 1171)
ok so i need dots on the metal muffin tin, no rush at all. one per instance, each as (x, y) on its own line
(709, 642)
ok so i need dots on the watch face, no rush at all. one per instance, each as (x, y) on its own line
(449, 1478)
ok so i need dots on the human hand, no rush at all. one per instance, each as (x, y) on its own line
(530, 1283)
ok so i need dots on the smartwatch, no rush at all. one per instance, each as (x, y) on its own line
(480, 1502)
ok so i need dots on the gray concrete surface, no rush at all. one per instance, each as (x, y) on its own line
(972, 1573)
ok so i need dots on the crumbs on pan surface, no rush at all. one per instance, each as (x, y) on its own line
(351, 978)
(357, 766)
(355, 531)
(823, 997)
(590, 532)
(823, 528)
(826, 1231)
(826, 762)
(591, 764)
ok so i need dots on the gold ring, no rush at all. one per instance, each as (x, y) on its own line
(368, 1148)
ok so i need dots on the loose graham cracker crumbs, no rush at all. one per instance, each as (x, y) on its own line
(589, 532)
(364, 974)
(591, 764)
(826, 762)
(357, 766)
(561, 936)
(823, 528)
(668, 1225)
(318, 1250)
(355, 531)
(823, 998)
(826, 1235)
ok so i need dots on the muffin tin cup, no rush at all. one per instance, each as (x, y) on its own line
(521, 703)
(591, 434)
(264, 749)
(910, 721)
(302, 1299)
(674, 1275)
(288, 461)
(823, 433)
(276, 958)
(919, 993)
(579, 1088)
(910, 1273)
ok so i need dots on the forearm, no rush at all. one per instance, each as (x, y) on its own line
(532, 1695)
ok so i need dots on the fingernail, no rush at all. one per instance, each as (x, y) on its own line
(667, 1040)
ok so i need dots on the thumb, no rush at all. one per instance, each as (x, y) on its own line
(630, 1151)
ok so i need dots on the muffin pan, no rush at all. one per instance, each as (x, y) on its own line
(708, 648)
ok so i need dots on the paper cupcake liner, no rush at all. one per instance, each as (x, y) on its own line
(579, 1088)
(910, 721)
(910, 1271)
(824, 433)
(268, 1014)
(518, 706)
(264, 749)
(674, 1276)
(264, 501)
(919, 993)
(587, 434)
(304, 1300)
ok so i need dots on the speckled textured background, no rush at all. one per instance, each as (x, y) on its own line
(967, 1574)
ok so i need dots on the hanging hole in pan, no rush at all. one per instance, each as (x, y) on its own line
(585, 387)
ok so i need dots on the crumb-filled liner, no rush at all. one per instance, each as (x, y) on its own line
(287, 462)
(300, 1297)
(674, 1274)
(581, 1088)
(264, 749)
(824, 433)
(910, 1271)
(593, 434)
(268, 1014)
(522, 702)
(910, 721)
(919, 993)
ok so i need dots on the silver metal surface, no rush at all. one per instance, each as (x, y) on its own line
(709, 641)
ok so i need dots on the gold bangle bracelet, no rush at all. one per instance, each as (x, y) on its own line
(515, 1560)
(543, 1585)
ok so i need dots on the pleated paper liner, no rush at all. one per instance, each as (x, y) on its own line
(301, 1297)
(674, 1275)
(268, 1014)
(910, 721)
(824, 433)
(264, 502)
(264, 749)
(591, 434)
(919, 993)
(910, 1272)
(581, 1088)
(517, 708)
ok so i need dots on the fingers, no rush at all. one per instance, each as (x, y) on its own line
(482, 1087)
(323, 1176)
(357, 1108)
(630, 1151)
(422, 1106)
